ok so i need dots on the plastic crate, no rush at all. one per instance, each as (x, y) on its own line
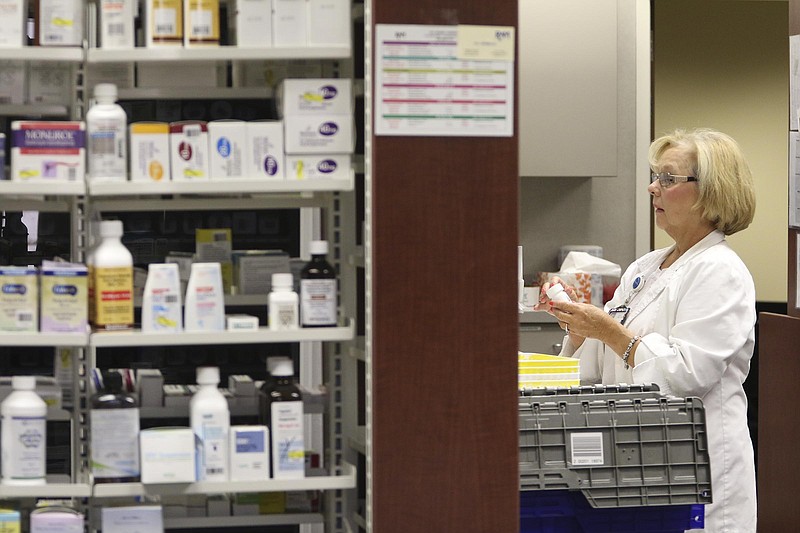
(561, 511)
(621, 446)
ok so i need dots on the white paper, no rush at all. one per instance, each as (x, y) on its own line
(422, 88)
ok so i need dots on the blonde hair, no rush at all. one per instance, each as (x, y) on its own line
(727, 195)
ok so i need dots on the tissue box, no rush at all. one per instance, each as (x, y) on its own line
(588, 287)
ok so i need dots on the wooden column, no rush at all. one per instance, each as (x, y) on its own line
(444, 317)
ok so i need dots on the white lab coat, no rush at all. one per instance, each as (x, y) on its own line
(697, 321)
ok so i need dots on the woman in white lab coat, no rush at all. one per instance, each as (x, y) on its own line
(684, 317)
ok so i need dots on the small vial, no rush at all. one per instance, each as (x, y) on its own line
(557, 293)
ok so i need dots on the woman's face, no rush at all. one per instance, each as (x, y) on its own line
(673, 205)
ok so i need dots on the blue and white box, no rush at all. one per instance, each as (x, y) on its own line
(227, 142)
(48, 151)
(249, 453)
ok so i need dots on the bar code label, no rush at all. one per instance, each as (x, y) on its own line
(202, 23)
(171, 298)
(587, 449)
(165, 22)
(116, 29)
(24, 319)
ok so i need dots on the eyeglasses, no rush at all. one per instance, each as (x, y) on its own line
(665, 179)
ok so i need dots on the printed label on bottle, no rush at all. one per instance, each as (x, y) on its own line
(115, 442)
(282, 315)
(107, 156)
(24, 447)
(318, 302)
(213, 438)
(288, 449)
(113, 296)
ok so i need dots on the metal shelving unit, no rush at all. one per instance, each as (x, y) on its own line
(222, 53)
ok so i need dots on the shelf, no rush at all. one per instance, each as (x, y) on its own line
(358, 348)
(219, 187)
(33, 110)
(49, 490)
(43, 339)
(345, 481)
(42, 188)
(207, 522)
(135, 338)
(71, 54)
(208, 93)
(358, 442)
(357, 257)
(312, 404)
(536, 317)
(220, 53)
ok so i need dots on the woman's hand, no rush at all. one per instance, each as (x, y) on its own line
(544, 300)
(584, 320)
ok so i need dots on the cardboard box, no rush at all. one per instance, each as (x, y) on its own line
(19, 299)
(251, 23)
(167, 455)
(60, 23)
(319, 134)
(318, 166)
(188, 141)
(150, 385)
(265, 147)
(150, 156)
(227, 143)
(289, 23)
(133, 519)
(63, 295)
(48, 151)
(317, 96)
(12, 82)
(249, 453)
(329, 23)
(49, 83)
(164, 23)
(254, 268)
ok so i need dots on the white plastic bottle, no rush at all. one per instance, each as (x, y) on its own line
(557, 293)
(24, 443)
(107, 129)
(205, 303)
(211, 422)
(112, 279)
(161, 304)
(283, 303)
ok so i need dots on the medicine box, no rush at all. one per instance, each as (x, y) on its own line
(249, 453)
(60, 23)
(19, 299)
(200, 23)
(48, 151)
(63, 295)
(227, 143)
(265, 147)
(133, 519)
(241, 322)
(9, 521)
(49, 83)
(150, 385)
(195, 74)
(329, 23)
(12, 24)
(188, 141)
(149, 151)
(167, 455)
(319, 134)
(164, 25)
(12, 81)
(318, 166)
(319, 96)
(56, 520)
(253, 269)
(289, 23)
(251, 22)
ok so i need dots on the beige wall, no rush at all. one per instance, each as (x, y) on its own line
(724, 65)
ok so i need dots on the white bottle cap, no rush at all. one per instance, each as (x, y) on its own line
(282, 280)
(23, 382)
(273, 361)
(105, 91)
(207, 375)
(318, 247)
(283, 368)
(556, 292)
(111, 228)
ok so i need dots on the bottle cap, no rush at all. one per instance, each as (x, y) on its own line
(557, 292)
(273, 361)
(207, 375)
(23, 382)
(112, 381)
(111, 228)
(282, 280)
(283, 368)
(318, 247)
(105, 91)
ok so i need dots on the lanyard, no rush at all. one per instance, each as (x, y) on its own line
(620, 313)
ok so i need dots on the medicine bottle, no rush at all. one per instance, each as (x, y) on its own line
(318, 289)
(114, 432)
(107, 128)
(284, 418)
(211, 422)
(24, 442)
(557, 293)
(112, 279)
(283, 303)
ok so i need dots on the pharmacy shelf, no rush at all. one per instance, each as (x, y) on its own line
(207, 93)
(231, 300)
(358, 348)
(357, 257)
(33, 110)
(133, 338)
(219, 187)
(347, 480)
(42, 188)
(312, 404)
(358, 442)
(221, 53)
(48, 490)
(43, 53)
(43, 339)
(211, 522)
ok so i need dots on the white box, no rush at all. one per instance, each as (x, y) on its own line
(249, 453)
(253, 269)
(13, 14)
(319, 96)
(241, 323)
(188, 142)
(49, 83)
(319, 134)
(48, 151)
(218, 505)
(19, 299)
(176, 395)
(252, 23)
(56, 519)
(289, 23)
(133, 519)
(116, 24)
(12, 82)
(150, 157)
(240, 384)
(167, 455)
(175, 74)
(265, 149)
(227, 143)
(150, 384)
(60, 23)
(120, 74)
(329, 23)
(313, 166)
(200, 23)
(164, 26)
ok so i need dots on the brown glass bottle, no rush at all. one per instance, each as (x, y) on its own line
(114, 433)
